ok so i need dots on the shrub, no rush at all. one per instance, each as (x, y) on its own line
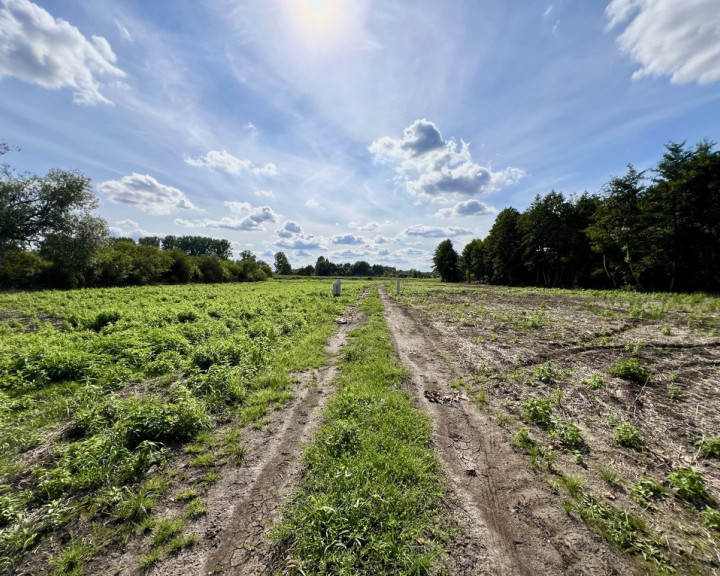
(647, 490)
(569, 435)
(546, 373)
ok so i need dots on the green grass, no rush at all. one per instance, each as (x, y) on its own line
(372, 497)
(630, 369)
(628, 436)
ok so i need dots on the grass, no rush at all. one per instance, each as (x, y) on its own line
(630, 369)
(372, 497)
(627, 435)
(646, 491)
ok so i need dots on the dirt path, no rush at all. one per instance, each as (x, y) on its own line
(511, 521)
(244, 503)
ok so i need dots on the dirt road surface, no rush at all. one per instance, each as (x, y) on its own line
(511, 521)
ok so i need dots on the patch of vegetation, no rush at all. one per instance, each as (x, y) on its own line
(372, 497)
(538, 411)
(646, 491)
(595, 382)
(628, 436)
(630, 369)
(711, 518)
(709, 447)
(569, 435)
(688, 484)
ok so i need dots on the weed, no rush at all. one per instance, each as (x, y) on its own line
(150, 559)
(134, 505)
(611, 478)
(72, 558)
(211, 477)
(187, 494)
(538, 411)
(628, 436)
(674, 391)
(165, 530)
(195, 509)
(573, 485)
(689, 485)
(180, 542)
(522, 439)
(630, 369)
(595, 382)
(569, 435)
(709, 447)
(645, 491)
(666, 331)
(711, 518)
(206, 460)
(546, 373)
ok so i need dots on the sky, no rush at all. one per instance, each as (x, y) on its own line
(353, 129)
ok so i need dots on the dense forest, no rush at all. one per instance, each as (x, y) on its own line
(657, 229)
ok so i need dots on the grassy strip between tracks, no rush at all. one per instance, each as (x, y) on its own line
(372, 497)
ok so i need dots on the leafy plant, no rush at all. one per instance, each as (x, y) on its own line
(645, 491)
(710, 447)
(689, 485)
(569, 435)
(630, 369)
(537, 411)
(546, 373)
(628, 436)
(595, 382)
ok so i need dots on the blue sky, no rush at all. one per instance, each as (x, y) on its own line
(348, 128)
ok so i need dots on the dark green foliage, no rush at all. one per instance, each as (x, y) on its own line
(630, 369)
(689, 485)
(282, 264)
(710, 447)
(652, 230)
(538, 411)
(628, 436)
(445, 262)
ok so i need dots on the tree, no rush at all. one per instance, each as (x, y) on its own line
(33, 206)
(472, 261)
(445, 262)
(502, 249)
(282, 264)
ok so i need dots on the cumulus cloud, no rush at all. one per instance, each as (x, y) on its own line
(264, 193)
(145, 193)
(383, 239)
(223, 160)
(369, 227)
(291, 237)
(49, 52)
(421, 231)
(430, 166)
(670, 38)
(127, 223)
(467, 208)
(347, 239)
(244, 218)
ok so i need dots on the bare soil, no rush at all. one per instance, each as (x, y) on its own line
(511, 522)
(243, 505)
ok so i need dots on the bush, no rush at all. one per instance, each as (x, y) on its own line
(710, 447)
(689, 485)
(569, 435)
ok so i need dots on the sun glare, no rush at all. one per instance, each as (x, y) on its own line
(318, 7)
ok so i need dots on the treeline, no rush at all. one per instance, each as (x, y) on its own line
(653, 230)
(50, 238)
(123, 262)
(324, 267)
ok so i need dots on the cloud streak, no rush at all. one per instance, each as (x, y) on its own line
(223, 160)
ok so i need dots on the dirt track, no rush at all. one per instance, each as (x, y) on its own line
(512, 523)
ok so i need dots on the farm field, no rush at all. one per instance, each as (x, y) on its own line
(611, 398)
(273, 429)
(114, 402)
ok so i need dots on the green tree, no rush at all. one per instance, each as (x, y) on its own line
(472, 261)
(33, 207)
(282, 264)
(503, 249)
(445, 262)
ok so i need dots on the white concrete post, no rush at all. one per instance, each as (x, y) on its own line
(336, 288)
(398, 286)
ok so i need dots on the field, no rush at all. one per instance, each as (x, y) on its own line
(271, 428)
(614, 397)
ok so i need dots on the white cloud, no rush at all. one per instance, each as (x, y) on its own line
(548, 10)
(383, 239)
(467, 208)
(264, 193)
(291, 237)
(223, 160)
(290, 229)
(124, 32)
(435, 231)
(127, 223)
(369, 227)
(430, 166)
(670, 38)
(49, 52)
(146, 194)
(347, 239)
(245, 217)
(312, 203)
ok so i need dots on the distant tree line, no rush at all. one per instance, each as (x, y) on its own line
(49, 237)
(324, 267)
(656, 230)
